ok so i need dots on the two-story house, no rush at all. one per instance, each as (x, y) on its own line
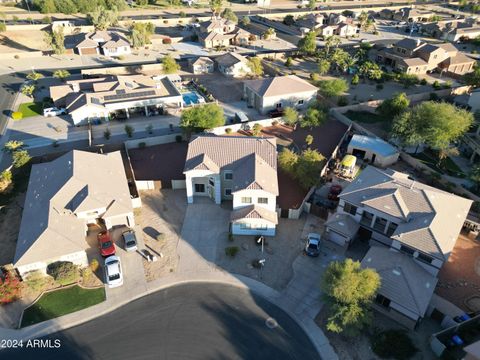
(412, 228)
(411, 217)
(239, 169)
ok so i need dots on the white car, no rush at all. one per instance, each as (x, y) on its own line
(312, 246)
(53, 111)
(113, 272)
(130, 240)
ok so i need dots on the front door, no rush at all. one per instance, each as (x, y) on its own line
(211, 188)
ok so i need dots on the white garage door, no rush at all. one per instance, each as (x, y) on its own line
(337, 238)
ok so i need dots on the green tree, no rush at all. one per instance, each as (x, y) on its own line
(28, 90)
(255, 64)
(61, 74)
(394, 106)
(140, 34)
(289, 62)
(170, 66)
(473, 78)
(216, 6)
(475, 176)
(55, 40)
(313, 117)
(246, 21)
(312, 4)
(287, 160)
(289, 20)
(13, 145)
(20, 158)
(308, 167)
(34, 76)
(129, 130)
(202, 117)
(308, 44)
(45, 6)
(309, 140)
(323, 66)
(342, 59)
(349, 291)
(434, 124)
(290, 116)
(331, 42)
(370, 70)
(229, 15)
(5, 181)
(334, 87)
(102, 18)
(257, 130)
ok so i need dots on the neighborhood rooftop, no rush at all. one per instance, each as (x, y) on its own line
(430, 218)
(280, 85)
(61, 189)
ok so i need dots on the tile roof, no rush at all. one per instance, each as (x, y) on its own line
(279, 85)
(254, 212)
(253, 160)
(429, 219)
(343, 223)
(230, 59)
(403, 281)
(57, 191)
(411, 44)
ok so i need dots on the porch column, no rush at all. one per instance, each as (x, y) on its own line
(128, 114)
(146, 110)
(218, 190)
(189, 188)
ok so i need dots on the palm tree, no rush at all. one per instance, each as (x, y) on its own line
(61, 74)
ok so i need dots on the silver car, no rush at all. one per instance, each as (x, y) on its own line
(130, 240)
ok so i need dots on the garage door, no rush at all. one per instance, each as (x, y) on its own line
(337, 238)
(87, 51)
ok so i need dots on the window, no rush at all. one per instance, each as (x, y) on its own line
(300, 102)
(263, 200)
(391, 229)
(228, 175)
(199, 188)
(246, 200)
(407, 250)
(245, 226)
(380, 224)
(228, 192)
(350, 209)
(278, 106)
(424, 258)
(382, 301)
(211, 182)
(262, 227)
(367, 218)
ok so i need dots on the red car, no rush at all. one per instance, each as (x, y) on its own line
(335, 190)
(105, 243)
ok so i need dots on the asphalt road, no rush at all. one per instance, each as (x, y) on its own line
(193, 321)
(9, 86)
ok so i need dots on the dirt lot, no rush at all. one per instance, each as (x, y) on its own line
(279, 252)
(17, 41)
(459, 278)
(162, 213)
(223, 88)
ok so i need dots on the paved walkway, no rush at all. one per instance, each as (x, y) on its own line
(206, 221)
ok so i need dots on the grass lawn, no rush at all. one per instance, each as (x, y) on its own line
(364, 117)
(31, 109)
(430, 158)
(62, 302)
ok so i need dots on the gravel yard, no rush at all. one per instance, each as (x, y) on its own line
(161, 218)
(279, 253)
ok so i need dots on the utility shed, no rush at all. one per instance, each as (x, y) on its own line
(375, 150)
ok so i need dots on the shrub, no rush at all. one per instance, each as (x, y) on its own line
(230, 237)
(232, 251)
(355, 80)
(434, 97)
(436, 85)
(20, 158)
(3, 27)
(274, 123)
(160, 237)
(447, 84)
(9, 289)
(94, 265)
(64, 272)
(178, 138)
(107, 133)
(342, 101)
(17, 115)
(314, 76)
(5, 181)
(86, 273)
(36, 280)
(257, 130)
(149, 128)
(16, 57)
(228, 131)
(142, 145)
(167, 41)
(121, 57)
(395, 344)
(423, 82)
(129, 130)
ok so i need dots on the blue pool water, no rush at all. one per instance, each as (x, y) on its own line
(190, 98)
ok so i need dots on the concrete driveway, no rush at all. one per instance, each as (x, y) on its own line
(204, 224)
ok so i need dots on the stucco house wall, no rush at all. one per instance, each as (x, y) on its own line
(78, 258)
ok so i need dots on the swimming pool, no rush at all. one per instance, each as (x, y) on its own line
(191, 98)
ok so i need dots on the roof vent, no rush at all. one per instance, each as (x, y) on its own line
(369, 260)
(386, 206)
(396, 272)
(341, 223)
(427, 285)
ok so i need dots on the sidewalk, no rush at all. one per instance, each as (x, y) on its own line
(300, 300)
